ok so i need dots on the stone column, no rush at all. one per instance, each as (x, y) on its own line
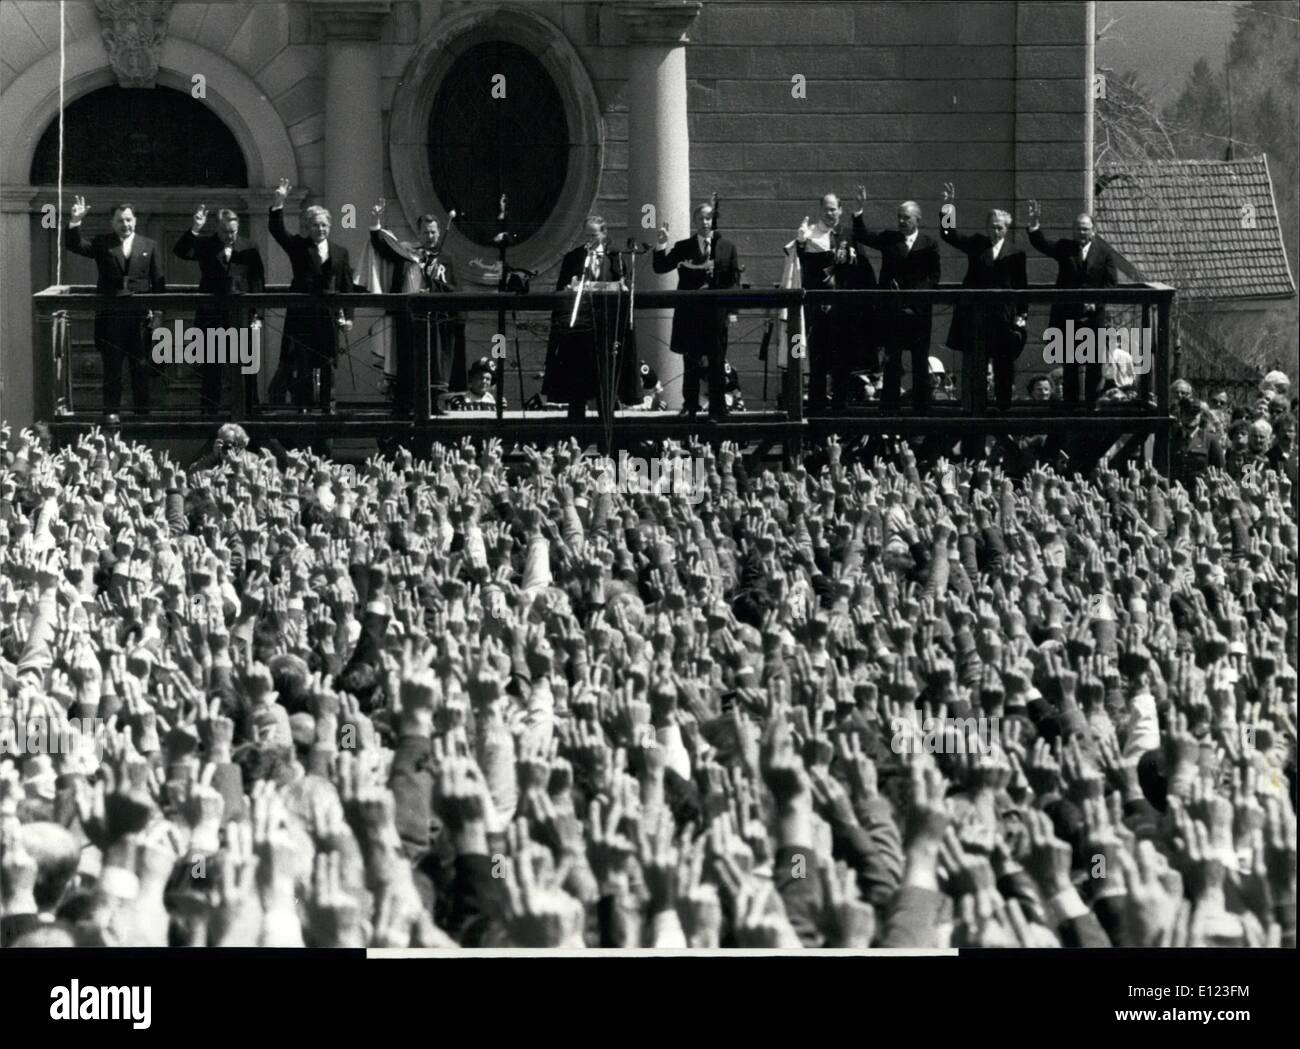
(354, 140)
(18, 366)
(659, 165)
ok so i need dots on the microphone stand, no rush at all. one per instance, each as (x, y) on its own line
(502, 238)
(582, 283)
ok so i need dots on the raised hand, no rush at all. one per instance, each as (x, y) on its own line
(282, 192)
(79, 208)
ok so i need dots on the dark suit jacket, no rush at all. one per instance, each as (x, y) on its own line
(408, 278)
(1100, 271)
(244, 273)
(570, 367)
(698, 329)
(120, 322)
(573, 262)
(115, 274)
(906, 270)
(982, 271)
(312, 327)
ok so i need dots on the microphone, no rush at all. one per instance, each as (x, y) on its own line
(637, 248)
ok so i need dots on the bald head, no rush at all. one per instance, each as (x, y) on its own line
(909, 217)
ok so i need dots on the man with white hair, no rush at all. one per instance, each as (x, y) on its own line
(310, 344)
(909, 261)
(995, 332)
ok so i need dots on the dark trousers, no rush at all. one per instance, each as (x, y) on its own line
(279, 385)
(213, 387)
(906, 337)
(1004, 377)
(416, 334)
(695, 368)
(121, 338)
(830, 357)
(1004, 347)
(586, 364)
(1070, 382)
(211, 378)
(303, 390)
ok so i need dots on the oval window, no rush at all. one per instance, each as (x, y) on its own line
(498, 126)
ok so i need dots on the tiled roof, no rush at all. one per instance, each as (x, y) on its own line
(1209, 228)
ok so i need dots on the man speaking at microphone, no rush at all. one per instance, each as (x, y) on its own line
(585, 333)
(704, 260)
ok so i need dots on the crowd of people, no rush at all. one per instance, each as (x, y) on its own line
(1212, 433)
(503, 698)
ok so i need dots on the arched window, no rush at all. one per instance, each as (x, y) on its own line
(140, 137)
(481, 145)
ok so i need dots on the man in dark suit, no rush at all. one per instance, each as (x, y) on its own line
(1082, 261)
(420, 269)
(311, 333)
(830, 260)
(909, 260)
(705, 260)
(126, 263)
(995, 332)
(580, 367)
(228, 267)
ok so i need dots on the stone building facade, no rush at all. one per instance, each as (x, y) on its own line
(664, 102)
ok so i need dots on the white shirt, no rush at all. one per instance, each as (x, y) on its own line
(911, 239)
(128, 242)
(997, 249)
(226, 251)
(323, 250)
(1084, 252)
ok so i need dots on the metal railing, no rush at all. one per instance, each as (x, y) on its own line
(1153, 302)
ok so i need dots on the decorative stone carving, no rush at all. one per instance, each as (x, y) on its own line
(360, 20)
(658, 21)
(133, 32)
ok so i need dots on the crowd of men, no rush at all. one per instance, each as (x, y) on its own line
(842, 341)
(523, 698)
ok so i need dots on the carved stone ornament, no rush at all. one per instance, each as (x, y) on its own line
(133, 32)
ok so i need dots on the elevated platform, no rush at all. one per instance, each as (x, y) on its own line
(1140, 427)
